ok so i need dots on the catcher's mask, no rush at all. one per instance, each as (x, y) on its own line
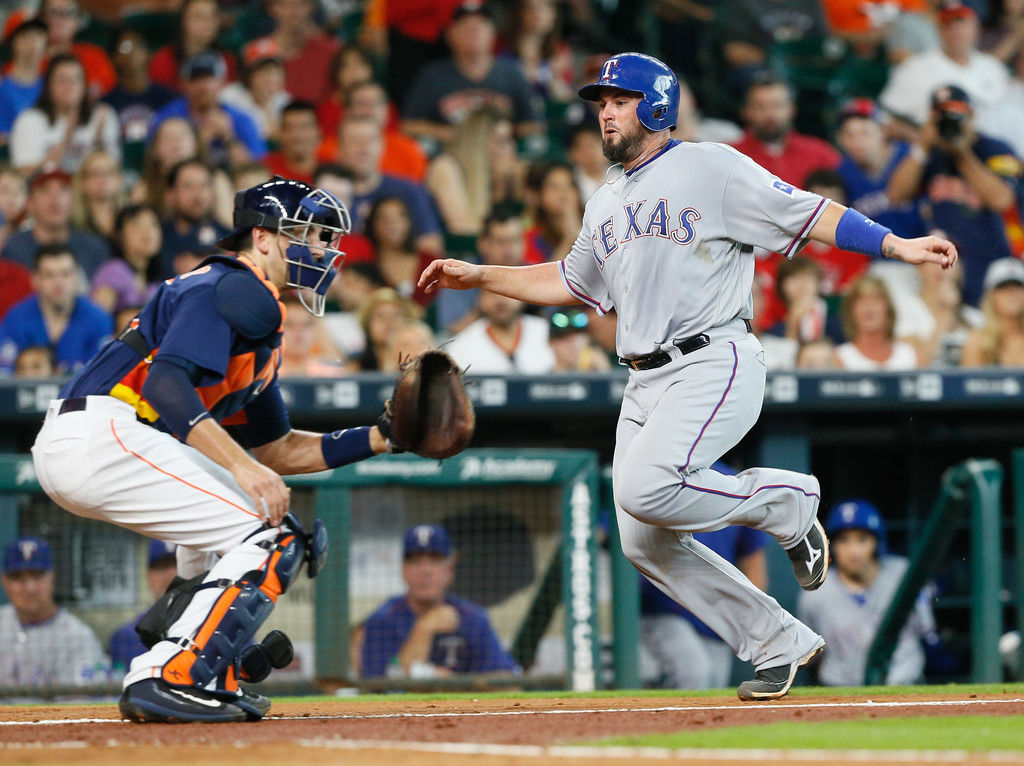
(312, 221)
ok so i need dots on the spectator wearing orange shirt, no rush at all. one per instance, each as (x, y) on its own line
(902, 26)
(769, 138)
(63, 19)
(402, 156)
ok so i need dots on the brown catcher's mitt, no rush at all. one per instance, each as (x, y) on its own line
(429, 412)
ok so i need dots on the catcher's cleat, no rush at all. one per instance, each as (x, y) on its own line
(253, 703)
(810, 558)
(153, 700)
(772, 683)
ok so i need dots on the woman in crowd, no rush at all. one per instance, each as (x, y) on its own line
(198, 27)
(352, 65)
(479, 170)
(175, 140)
(554, 199)
(389, 228)
(936, 320)
(260, 92)
(869, 322)
(307, 350)
(97, 191)
(380, 318)
(129, 279)
(537, 46)
(1000, 340)
(65, 124)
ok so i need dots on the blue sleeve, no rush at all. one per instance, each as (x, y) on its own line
(197, 332)
(249, 134)
(424, 216)
(380, 643)
(9, 346)
(266, 418)
(170, 389)
(485, 651)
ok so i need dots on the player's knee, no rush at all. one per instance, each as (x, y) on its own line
(644, 492)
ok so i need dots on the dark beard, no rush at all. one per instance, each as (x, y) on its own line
(627, 149)
(771, 135)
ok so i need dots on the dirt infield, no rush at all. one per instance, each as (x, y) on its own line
(491, 732)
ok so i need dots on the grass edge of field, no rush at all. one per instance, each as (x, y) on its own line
(975, 733)
(808, 693)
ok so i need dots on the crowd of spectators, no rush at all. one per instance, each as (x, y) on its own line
(452, 127)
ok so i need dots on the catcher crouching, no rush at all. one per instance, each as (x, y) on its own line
(177, 430)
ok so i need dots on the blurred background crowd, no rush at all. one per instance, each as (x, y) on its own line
(453, 128)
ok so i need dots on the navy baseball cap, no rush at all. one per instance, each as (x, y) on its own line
(426, 538)
(951, 98)
(856, 514)
(28, 554)
(161, 553)
(205, 64)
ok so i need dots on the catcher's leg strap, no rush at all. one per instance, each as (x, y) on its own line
(211, 655)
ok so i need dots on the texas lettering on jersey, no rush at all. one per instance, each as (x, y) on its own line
(643, 220)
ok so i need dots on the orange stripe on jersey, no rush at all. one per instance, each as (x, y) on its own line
(241, 374)
(155, 467)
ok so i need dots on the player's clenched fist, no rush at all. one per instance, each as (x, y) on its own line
(450, 273)
(920, 250)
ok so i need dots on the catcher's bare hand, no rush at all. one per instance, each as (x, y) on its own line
(270, 495)
(450, 273)
(928, 249)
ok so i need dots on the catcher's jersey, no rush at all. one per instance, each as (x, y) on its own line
(669, 244)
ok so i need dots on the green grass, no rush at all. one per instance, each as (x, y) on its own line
(973, 733)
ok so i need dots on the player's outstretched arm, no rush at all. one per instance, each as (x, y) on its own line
(304, 451)
(540, 284)
(849, 230)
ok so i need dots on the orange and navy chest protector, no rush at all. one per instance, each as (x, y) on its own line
(222, 323)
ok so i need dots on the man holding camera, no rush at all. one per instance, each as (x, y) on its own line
(967, 182)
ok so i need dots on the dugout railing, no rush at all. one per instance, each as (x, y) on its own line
(507, 510)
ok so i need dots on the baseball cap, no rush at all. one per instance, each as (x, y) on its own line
(27, 554)
(161, 553)
(951, 98)
(263, 49)
(426, 538)
(859, 107)
(46, 172)
(856, 514)
(471, 7)
(1003, 271)
(205, 64)
(951, 10)
(31, 23)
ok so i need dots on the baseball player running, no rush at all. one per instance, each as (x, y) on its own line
(140, 438)
(667, 241)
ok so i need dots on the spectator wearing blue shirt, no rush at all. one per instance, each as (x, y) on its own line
(21, 87)
(228, 135)
(968, 183)
(161, 569)
(679, 651)
(55, 316)
(869, 160)
(360, 144)
(49, 208)
(427, 632)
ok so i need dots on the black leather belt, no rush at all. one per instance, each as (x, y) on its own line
(661, 358)
(74, 404)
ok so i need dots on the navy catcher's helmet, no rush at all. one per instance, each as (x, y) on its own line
(857, 514)
(645, 76)
(306, 218)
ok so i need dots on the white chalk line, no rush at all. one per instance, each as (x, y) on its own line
(574, 711)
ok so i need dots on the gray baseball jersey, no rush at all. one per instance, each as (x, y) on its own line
(849, 621)
(670, 243)
(61, 651)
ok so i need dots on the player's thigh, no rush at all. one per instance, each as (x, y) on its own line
(61, 457)
(706, 410)
(148, 481)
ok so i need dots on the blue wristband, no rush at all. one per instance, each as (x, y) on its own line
(860, 234)
(348, 445)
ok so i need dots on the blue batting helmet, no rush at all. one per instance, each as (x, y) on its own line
(305, 217)
(648, 78)
(857, 514)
